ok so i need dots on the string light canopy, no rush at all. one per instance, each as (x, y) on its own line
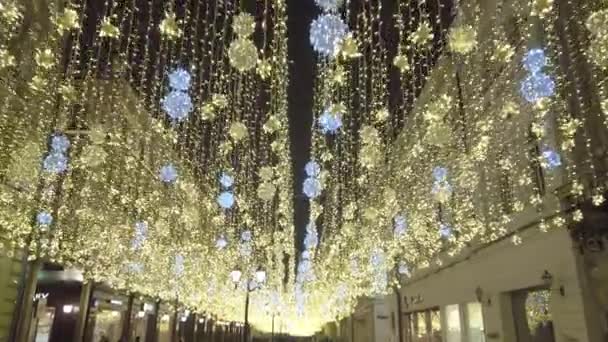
(147, 143)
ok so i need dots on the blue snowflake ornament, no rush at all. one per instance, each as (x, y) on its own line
(330, 122)
(312, 188)
(177, 105)
(312, 169)
(226, 200)
(534, 60)
(327, 33)
(55, 162)
(60, 143)
(168, 174)
(179, 79)
(44, 219)
(552, 159)
(537, 86)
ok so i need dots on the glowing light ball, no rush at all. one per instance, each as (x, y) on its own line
(226, 200)
(445, 230)
(221, 243)
(551, 159)
(327, 33)
(312, 188)
(312, 169)
(246, 236)
(60, 143)
(329, 5)
(177, 105)
(226, 180)
(44, 219)
(55, 163)
(400, 226)
(536, 87)
(243, 54)
(168, 174)
(534, 60)
(179, 79)
(440, 174)
(330, 122)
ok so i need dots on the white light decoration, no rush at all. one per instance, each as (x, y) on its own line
(330, 122)
(68, 309)
(178, 105)
(327, 33)
(243, 54)
(312, 188)
(329, 5)
(168, 173)
(221, 242)
(55, 163)
(179, 79)
(60, 143)
(44, 219)
(260, 276)
(141, 314)
(235, 276)
(226, 200)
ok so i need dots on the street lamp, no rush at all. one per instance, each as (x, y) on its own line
(250, 286)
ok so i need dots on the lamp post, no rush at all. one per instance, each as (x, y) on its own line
(251, 285)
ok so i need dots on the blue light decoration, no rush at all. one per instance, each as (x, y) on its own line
(312, 169)
(141, 234)
(60, 143)
(226, 180)
(330, 122)
(440, 174)
(312, 188)
(55, 162)
(312, 238)
(329, 5)
(552, 159)
(221, 242)
(445, 230)
(400, 226)
(246, 236)
(44, 218)
(168, 174)
(177, 105)
(178, 265)
(226, 200)
(537, 86)
(179, 79)
(327, 33)
(534, 60)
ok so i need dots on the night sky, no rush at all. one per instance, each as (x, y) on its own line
(301, 69)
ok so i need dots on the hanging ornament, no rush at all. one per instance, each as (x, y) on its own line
(179, 79)
(238, 131)
(550, 159)
(226, 200)
(266, 191)
(327, 33)
(168, 173)
(463, 39)
(243, 25)
(445, 231)
(55, 163)
(177, 105)
(423, 34)
(108, 29)
(67, 21)
(312, 188)
(44, 219)
(243, 54)
(537, 86)
(169, 26)
(226, 180)
(312, 169)
(60, 143)
(329, 5)
(330, 121)
(534, 60)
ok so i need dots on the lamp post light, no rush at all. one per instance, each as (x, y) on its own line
(251, 285)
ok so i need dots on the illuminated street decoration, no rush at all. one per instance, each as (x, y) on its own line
(327, 33)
